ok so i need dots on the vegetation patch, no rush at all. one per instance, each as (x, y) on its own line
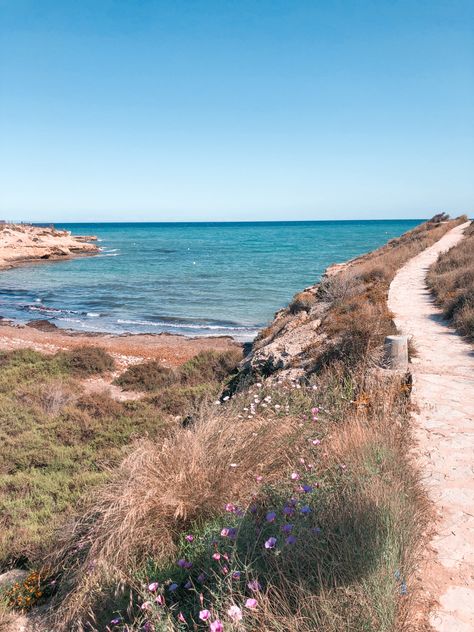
(451, 279)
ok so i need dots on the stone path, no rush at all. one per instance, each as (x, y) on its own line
(443, 376)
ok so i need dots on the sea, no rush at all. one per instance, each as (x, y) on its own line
(194, 279)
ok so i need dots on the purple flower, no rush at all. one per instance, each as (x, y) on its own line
(181, 563)
(270, 517)
(201, 578)
(305, 510)
(115, 621)
(307, 489)
(173, 587)
(188, 584)
(287, 528)
(254, 585)
(288, 511)
(271, 543)
(290, 539)
(236, 575)
(189, 538)
(316, 530)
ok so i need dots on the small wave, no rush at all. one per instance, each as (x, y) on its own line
(93, 314)
(186, 325)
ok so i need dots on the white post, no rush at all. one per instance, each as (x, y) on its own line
(396, 352)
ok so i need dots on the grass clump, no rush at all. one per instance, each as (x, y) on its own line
(451, 279)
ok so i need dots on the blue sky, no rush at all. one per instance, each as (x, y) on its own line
(242, 110)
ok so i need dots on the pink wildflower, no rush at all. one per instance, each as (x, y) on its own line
(146, 605)
(230, 507)
(254, 585)
(153, 587)
(216, 626)
(181, 618)
(204, 615)
(216, 556)
(251, 603)
(189, 538)
(160, 600)
(295, 476)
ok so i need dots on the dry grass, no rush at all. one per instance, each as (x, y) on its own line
(85, 361)
(451, 279)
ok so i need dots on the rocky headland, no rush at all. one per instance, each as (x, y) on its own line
(23, 243)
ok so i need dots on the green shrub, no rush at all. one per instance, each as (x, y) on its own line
(85, 361)
(148, 376)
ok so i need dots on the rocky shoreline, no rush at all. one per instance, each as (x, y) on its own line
(24, 243)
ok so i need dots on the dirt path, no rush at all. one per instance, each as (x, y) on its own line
(443, 375)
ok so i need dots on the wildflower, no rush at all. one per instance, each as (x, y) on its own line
(234, 465)
(270, 517)
(258, 385)
(307, 489)
(291, 539)
(153, 587)
(173, 587)
(403, 589)
(235, 613)
(216, 556)
(204, 615)
(188, 585)
(236, 575)
(305, 510)
(295, 476)
(270, 543)
(315, 410)
(146, 605)
(225, 532)
(316, 442)
(254, 585)
(148, 627)
(189, 538)
(287, 528)
(225, 399)
(342, 466)
(288, 511)
(216, 626)
(230, 507)
(259, 479)
(251, 603)
(201, 578)
(316, 530)
(115, 621)
(160, 600)
(181, 618)
(181, 563)
(225, 570)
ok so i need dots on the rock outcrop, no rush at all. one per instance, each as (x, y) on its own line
(20, 243)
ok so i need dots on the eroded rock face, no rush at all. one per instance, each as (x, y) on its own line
(20, 243)
(282, 351)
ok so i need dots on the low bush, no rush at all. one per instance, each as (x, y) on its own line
(85, 361)
(184, 400)
(147, 376)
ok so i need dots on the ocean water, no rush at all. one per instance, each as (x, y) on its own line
(197, 279)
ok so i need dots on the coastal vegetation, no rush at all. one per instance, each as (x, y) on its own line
(451, 279)
(281, 497)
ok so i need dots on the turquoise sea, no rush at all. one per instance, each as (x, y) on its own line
(197, 279)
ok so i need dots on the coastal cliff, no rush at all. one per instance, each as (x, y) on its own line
(21, 243)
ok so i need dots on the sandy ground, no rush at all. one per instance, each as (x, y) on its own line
(126, 349)
(443, 375)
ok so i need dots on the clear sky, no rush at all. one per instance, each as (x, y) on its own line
(235, 110)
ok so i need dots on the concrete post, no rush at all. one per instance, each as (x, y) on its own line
(396, 352)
